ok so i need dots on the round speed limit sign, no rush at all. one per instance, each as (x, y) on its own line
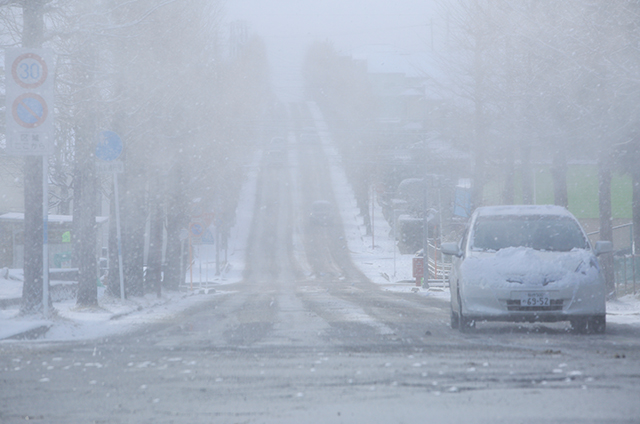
(29, 71)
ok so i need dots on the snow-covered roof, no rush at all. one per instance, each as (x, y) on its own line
(523, 210)
(55, 219)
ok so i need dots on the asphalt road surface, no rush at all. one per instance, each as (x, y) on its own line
(306, 338)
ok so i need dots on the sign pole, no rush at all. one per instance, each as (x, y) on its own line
(217, 250)
(45, 236)
(425, 234)
(373, 218)
(118, 236)
(190, 263)
(395, 241)
(108, 149)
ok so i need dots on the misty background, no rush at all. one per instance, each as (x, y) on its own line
(502, 101)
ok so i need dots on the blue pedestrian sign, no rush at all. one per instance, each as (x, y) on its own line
(109, 146)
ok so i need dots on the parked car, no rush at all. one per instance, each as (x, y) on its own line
(276, 152)
(527, 263)
(321, 213)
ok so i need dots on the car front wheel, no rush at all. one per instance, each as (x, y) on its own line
(595, 324)
(465, 325)
(455, 320)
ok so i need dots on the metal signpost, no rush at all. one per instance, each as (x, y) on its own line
(208, 239)
(196, 230)
(108, 149)
(29, 130)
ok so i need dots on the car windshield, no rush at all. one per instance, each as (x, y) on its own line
(551, 233)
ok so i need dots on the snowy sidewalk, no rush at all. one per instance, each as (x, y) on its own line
(376, 255)
(114, 315)
(378, 259)
(381, 261)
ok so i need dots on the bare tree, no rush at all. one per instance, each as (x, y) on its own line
(340, 86)
(154, 73)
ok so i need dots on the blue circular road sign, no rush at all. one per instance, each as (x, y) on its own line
(30, 110)
(109, 146)
(196, 229)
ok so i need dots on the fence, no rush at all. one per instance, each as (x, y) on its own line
(627, 274)
(626, 263)
(439, 267)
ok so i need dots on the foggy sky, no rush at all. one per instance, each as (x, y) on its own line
(289, 26)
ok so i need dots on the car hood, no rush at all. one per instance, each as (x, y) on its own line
(521, 266)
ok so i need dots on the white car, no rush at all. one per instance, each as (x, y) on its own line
(527, 263)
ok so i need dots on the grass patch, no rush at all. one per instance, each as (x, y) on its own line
(582, 187)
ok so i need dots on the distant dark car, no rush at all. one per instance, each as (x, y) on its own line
(276, 152)
(321, 213)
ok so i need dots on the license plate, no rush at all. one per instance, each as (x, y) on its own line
(534, 299)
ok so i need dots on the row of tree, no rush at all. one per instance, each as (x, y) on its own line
(549, 81)
(342, 90)
(159, 74)
(518, 83)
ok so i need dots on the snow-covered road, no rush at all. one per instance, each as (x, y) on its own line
(303, 335)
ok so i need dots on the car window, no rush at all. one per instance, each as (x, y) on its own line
(549, 233)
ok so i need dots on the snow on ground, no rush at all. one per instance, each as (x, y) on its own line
(204, 273)
(380, 259)
(114, 315)
(376, 256)
(624, 310)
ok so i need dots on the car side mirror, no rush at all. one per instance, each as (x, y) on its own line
(603, 247)
(451, 249)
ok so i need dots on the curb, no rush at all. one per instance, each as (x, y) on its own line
(31, 334)
(7, 303)
(124, 314)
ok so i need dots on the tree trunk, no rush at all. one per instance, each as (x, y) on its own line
(527, 175)
(635, 206)
(606, 226)
(32, 289)
(113, 275)
(133, 238)
(153, 277)
(84, 217)
(508, 191)
(362, 198)
(559, 173)
(177, 220)
(477, 193)
(33, 213)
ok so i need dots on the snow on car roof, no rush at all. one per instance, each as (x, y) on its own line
(523, 210)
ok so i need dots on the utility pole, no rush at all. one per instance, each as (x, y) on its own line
(34, 275)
